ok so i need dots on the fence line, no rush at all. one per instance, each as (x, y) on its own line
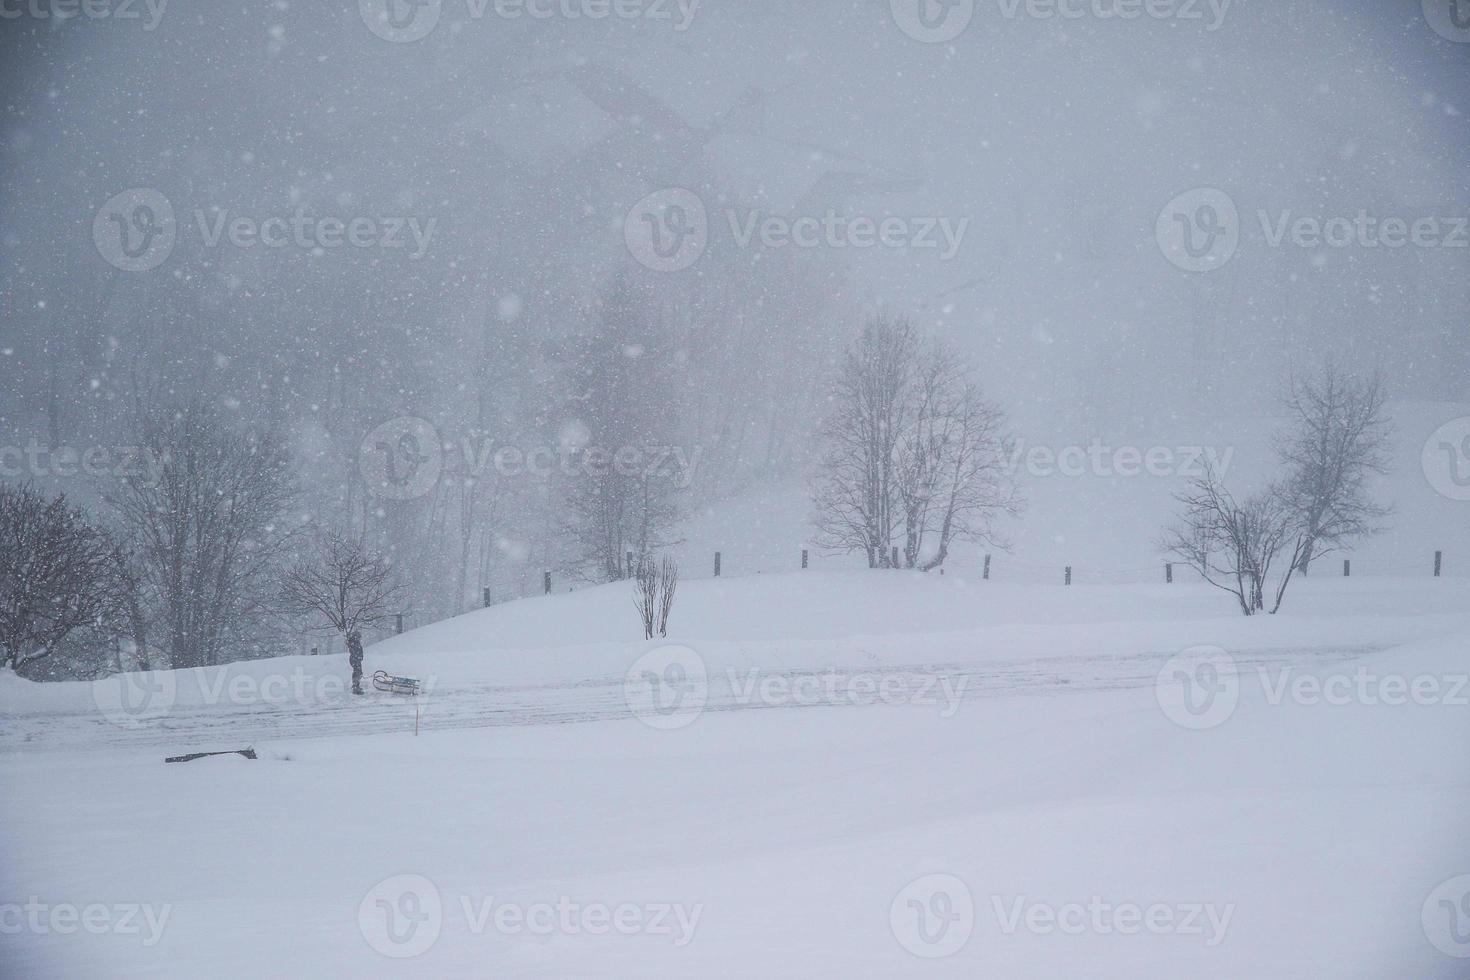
(1004, 568)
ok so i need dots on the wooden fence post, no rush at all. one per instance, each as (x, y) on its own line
(1169, 573)
(486, 597)
(986, 573)
(803, 558)
(398, 623)
(1347, 568)
(1438, 563)
(546, 582)
(717, 564)
(1069, 574)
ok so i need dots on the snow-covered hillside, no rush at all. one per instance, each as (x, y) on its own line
(816, 774)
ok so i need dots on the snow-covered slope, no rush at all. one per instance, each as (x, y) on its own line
(817, 774)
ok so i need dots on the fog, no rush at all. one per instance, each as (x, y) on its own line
(1070, 394)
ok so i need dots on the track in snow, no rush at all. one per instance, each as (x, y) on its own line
(479, 705)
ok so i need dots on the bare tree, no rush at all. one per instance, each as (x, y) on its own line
(910, 449)
(953, 479)
(855, 490)
(617, 502)
(1236, 546)
(57, 575)
(1338, 439)
(346, 586)
(668, 584)
(207, 527)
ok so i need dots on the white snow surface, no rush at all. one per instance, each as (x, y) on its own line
(1042, 772)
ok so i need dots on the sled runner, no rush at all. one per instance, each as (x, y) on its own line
(385, 681)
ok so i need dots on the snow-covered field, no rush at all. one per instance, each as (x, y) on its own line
(816, 775)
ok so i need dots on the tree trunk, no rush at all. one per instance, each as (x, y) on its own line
(354, 657)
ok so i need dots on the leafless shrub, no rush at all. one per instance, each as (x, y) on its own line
(668, 584)
(645, 595)
(1237, 546)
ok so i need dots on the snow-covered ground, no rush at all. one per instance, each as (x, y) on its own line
(817, 774)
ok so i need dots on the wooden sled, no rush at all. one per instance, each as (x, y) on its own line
(384, 681)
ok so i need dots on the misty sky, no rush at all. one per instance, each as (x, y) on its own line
(1056, 141)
